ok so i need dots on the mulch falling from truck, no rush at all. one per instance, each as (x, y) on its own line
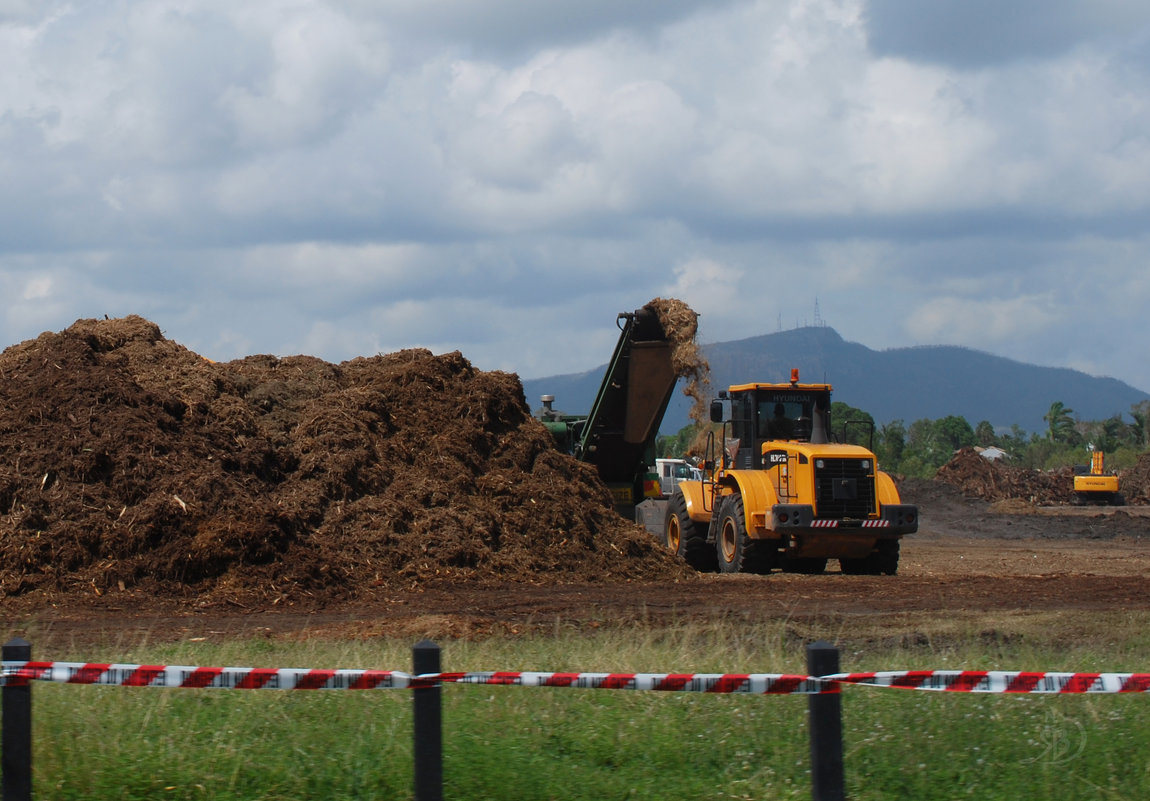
(130, 467)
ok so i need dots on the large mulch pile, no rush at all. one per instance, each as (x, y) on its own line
(131, 467)
(993, 481)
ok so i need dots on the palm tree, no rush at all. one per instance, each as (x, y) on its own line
(1060, 421)
(1140, 431)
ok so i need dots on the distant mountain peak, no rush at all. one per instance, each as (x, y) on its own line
(907, 383)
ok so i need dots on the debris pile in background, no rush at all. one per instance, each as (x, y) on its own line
(977, 477)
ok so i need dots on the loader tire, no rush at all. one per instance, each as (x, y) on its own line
(882, 562)
(685, 538)
(810, 565)
(735, 550)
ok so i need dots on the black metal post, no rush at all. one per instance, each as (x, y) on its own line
(16, 727)
(825, 715)
(427, 708)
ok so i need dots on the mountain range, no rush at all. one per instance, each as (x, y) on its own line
(908, 384)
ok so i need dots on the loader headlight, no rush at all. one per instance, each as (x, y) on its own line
(866, 464)
(820, 464)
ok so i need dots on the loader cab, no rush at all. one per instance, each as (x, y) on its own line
(762, 413)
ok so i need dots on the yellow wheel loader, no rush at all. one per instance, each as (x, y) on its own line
(777, 493)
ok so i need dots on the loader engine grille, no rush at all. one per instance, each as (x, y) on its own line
(844, 488)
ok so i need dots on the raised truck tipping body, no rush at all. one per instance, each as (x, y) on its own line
(618, 435)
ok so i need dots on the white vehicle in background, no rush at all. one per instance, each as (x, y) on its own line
(672, 471)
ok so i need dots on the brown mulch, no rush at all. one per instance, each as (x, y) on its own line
(132, 467)
(1134, 484)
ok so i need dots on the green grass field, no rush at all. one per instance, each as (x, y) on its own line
(535, 743)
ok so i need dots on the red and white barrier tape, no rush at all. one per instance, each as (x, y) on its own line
(230, 678)
(238, 678)
(749, 683)
(1002, 681)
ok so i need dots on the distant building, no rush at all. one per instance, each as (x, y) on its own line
(992, 453)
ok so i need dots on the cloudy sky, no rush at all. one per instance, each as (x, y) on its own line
(503, 176)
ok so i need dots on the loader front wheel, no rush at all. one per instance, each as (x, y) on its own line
(683, 536)
(731, 539)
(736, 551)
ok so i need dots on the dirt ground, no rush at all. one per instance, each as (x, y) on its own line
(971, 565)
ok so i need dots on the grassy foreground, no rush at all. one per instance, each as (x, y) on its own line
(530, 743)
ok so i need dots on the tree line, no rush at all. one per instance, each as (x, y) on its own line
(919, 449)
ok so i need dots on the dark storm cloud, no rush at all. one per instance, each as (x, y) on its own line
(971, 34)
(909, 227)
(508, 29)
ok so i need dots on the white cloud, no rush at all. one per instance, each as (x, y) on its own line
(980, 321)
(37, 288)
(322, 66)
(521, 147)
(716, 291)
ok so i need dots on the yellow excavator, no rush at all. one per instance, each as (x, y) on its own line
(1093, 485)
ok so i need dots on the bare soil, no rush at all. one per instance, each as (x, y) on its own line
(145, 491)
(970, 568)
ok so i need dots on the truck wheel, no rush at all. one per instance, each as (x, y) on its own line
(682, 535)
(882, 562)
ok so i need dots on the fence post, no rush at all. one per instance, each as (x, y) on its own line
(428, 724)
(825, 714)
(16, 727)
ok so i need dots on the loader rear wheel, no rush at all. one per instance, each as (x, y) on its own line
(683, 536)
(731, 539)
